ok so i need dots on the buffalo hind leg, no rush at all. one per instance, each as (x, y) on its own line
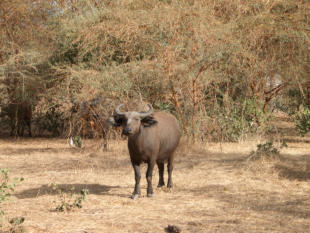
(149, 174)
(170, 168)
(136, 191)
(161, 167)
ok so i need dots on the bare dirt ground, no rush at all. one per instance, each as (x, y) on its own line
(216, 188)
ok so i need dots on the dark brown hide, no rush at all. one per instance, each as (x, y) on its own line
(153, 140)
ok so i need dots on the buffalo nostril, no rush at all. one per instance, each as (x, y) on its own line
(126, 131)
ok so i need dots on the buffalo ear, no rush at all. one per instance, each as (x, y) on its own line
(118, 120)
(115, 120)
(148, 121)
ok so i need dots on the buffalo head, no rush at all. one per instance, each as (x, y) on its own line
(132, 121)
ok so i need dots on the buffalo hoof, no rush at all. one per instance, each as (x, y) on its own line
(150, 195)
(160, 185)
(134, 196)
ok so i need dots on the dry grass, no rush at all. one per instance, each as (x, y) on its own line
(216, 190)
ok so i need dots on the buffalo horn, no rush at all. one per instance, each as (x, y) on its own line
(149, 112)
(117, 110)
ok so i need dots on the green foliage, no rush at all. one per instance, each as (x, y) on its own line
(82, 197)
(16, 225)
(302, 120)
(164, 106)
(7, 186)
(67, 201)
(240, 119)
(77, 141)
(266, 150)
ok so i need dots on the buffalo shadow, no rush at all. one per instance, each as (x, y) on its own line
(48, 189)
(294, 168)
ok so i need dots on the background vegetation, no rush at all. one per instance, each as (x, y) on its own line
(222, 67)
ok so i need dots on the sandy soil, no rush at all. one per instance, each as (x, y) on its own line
(216, 189)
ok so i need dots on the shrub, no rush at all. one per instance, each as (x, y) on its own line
(67, 201)
(185, 57)
(7, 186)
(266, 150)
(302, 120)
(239, 119)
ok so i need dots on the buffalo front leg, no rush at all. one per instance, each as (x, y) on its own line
(161, 166)
(149, 174)
(170, 168)
(136, 191)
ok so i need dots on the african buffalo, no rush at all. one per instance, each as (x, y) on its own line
(152, 138)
